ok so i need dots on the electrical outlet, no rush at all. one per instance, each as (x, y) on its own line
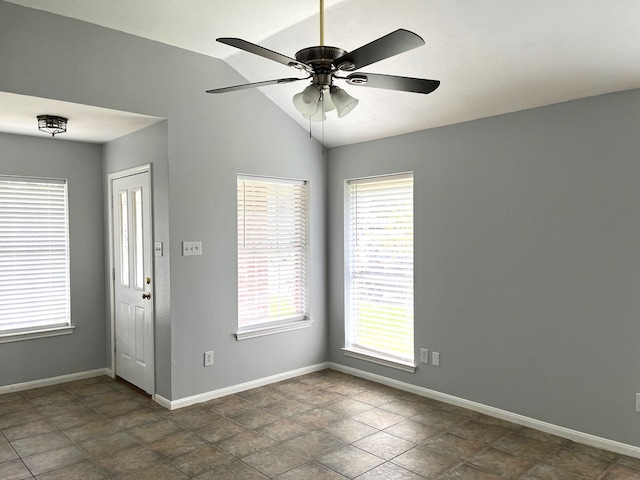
(638, 402)
(424, 355)
(435, 359)
(208, 359)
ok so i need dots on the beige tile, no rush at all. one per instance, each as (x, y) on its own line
(318, 417)
(275, 460)
(75, 418)
(454, 446)
(350, 461)
(263, 396)
(288, 408)
(581, 463)
(525, 447)
(403, 407)
(7, 452)
(229, 406)
(157, 471)
(467, 472)
(479, 432)
(245, 443)
(413, 431)
(19, 417)
(254, 418)
(219, 429)
(620, 472)
(14, 470)
(153, 432)
(388, 471)
(425, 462)
(40, 443)
(177, 444)
(378, 418)
(129, 460)
(135, 418)
(349, 431)
(314, 444)
(348, 406)
(193, 417)
(547, 472)
(384, 445)
(54, 460)
(234, 470)
(318, 397)
(108, 445)
(283, 429)
(500, 463)
(292, 387)
(311, 470)
(200, 460)
(88, 431)
(80, 471)
(29, 429)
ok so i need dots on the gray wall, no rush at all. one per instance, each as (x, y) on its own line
(210, 139)
(83, 350)
(148, 146)
(527, 259)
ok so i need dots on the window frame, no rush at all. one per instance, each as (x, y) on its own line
(13, 332)
(300, 319)
(352, 348)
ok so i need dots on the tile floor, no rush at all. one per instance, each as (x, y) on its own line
(325, 425)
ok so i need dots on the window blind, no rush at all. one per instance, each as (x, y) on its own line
(272, 251)
(380, 266)
(34, 254)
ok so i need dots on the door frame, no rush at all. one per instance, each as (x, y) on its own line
(146, 168)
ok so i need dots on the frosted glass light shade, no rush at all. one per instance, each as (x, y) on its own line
(306, 102)
(343, 101)
(319, 116)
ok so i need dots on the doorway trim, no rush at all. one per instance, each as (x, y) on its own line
(146, 168)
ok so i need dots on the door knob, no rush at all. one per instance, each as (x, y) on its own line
(146, 296)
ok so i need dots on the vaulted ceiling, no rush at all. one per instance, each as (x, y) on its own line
(492, 56)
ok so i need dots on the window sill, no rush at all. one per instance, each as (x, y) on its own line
(270, 330)
(380, 359)
(17, 336)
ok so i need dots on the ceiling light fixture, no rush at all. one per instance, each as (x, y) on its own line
(52, 124)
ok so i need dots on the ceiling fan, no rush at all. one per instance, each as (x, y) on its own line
(324, 64)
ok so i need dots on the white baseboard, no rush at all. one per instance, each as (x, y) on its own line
(261, 382)
(45, 382)
(576, 436)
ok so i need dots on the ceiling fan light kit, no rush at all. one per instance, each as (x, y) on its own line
(323, 64)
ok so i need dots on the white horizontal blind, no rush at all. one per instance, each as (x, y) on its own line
(272, 251)
(380, 266)
(34, 254)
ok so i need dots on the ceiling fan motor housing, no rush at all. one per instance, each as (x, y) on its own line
(321, 58)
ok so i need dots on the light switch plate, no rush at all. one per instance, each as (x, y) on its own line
(191, 248)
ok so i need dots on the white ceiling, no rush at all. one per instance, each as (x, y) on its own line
(86, 123)
(492, 56)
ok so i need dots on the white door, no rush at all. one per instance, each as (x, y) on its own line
(133, 302)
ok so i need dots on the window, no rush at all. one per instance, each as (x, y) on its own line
(379, 273)
(272, 255)
(34, 258)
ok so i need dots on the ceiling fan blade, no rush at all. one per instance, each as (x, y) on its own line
(384, 47)
(392, 82)
(255, 84)
(264, 52)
